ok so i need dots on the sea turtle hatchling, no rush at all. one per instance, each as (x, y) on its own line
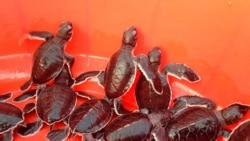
(198, 123)
(146, 97)
(10, 117)
(49, 58)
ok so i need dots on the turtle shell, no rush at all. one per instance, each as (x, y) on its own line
(55, 103)
(241, 132)
(90, 116)
(146, 97)
(48, 61)
(10, 116)
(193, 124)
(119, 74)
(129, 127)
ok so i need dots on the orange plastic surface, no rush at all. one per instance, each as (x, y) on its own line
(212, 37)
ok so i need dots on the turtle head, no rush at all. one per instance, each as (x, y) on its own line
(65, 31)
(130, 36)
(234, 112)
(155, 56)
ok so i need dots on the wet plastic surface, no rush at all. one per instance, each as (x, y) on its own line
(212, 37)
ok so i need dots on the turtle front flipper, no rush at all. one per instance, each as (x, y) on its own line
(40, 35)
(149, 73)
(188, 100)
(232, 113)
(181, 71)
(84, 76)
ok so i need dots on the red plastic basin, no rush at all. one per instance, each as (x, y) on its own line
(212, 37)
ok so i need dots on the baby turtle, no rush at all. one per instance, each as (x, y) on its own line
(10, 117)
(49, 58)
(241, 132)
(120, 72)
(90, 117)
(54, 103)
(199, 124)
(146, 96)
(138, 127)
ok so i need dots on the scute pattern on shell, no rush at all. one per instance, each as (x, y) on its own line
(119, 74)
(138, 127)
(193, 124)
(48, 61)
(55, 103)
(10, 116)
(90, 116)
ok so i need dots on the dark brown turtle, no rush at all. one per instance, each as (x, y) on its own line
(10, 117)
(241, 132)
(146, 96)
(138, 127)
(54, 103)
(49, 58)
(201, 124)
(120, 71)
(90, 117)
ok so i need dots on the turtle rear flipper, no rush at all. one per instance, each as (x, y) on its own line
(149, 73)
(181, 71)
(30, 128)
(26, 85)
(40, 35)
(26, 95)
(5, 97)
(29, 108)
(58, 134)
